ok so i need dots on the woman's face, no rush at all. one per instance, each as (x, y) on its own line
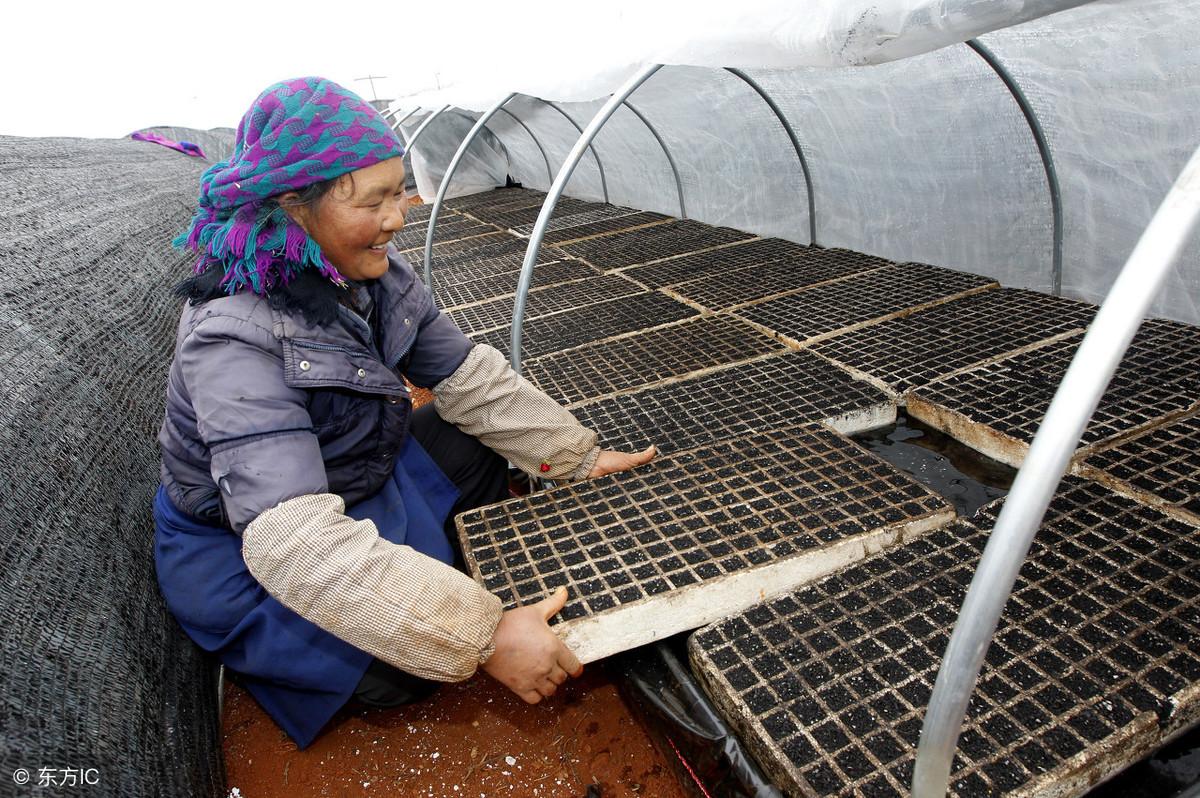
(353, 224)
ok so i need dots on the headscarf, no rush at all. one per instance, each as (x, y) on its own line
(298, 132)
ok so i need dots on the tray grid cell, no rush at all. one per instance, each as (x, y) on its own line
(505, 284)
(690, 519)
(482, 209)
(442, 250)
(412, 236)
(1163, 463)
(419, 214)
(470, 266)
(722, 291)
(829, 684)
(752, 252)
(562, 222)
(603, 227)
(511, 216)
(920, 347)
(793, 388)
(543, 301)
(497, 196)
(548, 334)
(605, 367)
(825, 309)
(1158, 376)
(677, 237)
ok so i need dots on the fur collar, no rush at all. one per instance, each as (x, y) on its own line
(310, 294)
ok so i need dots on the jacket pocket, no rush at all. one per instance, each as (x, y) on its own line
(311, 364)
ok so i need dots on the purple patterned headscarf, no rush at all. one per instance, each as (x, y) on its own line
(298, 132)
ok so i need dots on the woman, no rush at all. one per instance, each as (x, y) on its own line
(286, 405)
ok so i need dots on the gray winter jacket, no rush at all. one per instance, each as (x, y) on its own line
(274, 424)
(306, 416)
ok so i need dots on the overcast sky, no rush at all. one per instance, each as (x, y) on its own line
(106, 69)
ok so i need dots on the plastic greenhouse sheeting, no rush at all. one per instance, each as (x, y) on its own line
(917, 150)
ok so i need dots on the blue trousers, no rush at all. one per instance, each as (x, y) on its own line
(298, 672)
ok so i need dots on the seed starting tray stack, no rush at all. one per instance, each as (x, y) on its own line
(1160, 467)
(792, 388)
(1093, 666)
(562, 222)
(604, 227)
(815, 313)
(652, 243)
(694, 536)
(666, 353)
(542, 301)
(750, 252)
(595, 322)
(922, 346)
(504, 284)
(997, 408)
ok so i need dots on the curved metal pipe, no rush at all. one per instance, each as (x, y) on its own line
(541, 149)
(556, 189)
(1049, 455)
(1043, 146)
(421, 128)
(396, 125)
(441, 194)
(666, 152)
(596, 155)
(787, 126)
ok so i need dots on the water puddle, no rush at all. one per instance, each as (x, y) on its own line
(966, 478)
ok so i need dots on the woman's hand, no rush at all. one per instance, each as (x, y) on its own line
(529, 658)
(610, 462)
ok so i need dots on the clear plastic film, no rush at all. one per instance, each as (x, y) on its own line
(926, 158)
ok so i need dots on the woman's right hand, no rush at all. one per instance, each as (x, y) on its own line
(529, 658)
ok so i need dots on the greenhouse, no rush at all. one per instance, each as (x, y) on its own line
(905, 294)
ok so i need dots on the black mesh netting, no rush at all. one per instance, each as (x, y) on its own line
(97, 675)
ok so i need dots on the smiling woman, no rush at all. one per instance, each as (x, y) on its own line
(354, 220)
(303, 526)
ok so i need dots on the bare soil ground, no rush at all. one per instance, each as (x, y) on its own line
(471, 739)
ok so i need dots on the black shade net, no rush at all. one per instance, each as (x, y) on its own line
(97, 674)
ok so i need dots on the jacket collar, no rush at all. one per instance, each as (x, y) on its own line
(349, 352)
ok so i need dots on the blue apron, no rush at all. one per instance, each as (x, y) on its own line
(298, 672)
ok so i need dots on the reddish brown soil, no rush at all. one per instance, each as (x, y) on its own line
(471, 739)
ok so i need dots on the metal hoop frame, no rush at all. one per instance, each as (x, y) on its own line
(541, 149)
(445, 185)
(596, 155)
(1049, 455)
(1039, 137)
(556, 189)
(396, 125)
(666, 152)
(791, 134)
(412, 142)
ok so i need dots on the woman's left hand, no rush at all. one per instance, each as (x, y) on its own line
(610, 462)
